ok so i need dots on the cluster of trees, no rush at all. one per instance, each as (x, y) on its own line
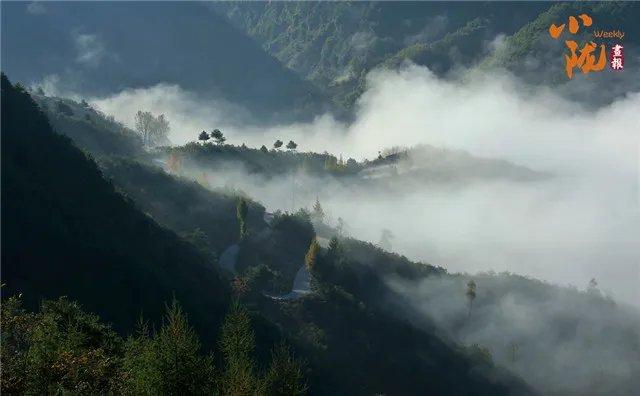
(216, 135)
(277, 145)
(337, 165)
(219, 138)
(152, 129)
(241, 214)
(63, 350)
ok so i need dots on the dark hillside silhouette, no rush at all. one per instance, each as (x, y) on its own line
(67, 232)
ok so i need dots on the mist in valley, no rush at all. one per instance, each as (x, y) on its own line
(526, 192)
(557, 200)
(579, 223)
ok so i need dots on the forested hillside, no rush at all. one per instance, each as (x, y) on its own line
(78, 47)
(68, 232)
(335, 44)
(533, 54)
(434, 142)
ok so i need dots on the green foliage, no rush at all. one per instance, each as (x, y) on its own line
(274, 165)
(311, 258)
(311, 262)
(273, 256)
(532, 41)
(66, 231)
(203, 136)
(241, 214)
(237, 343)
(218, 136)
(292, 145)
(263, 278)
(168, 362)
(285, 376)
(183, 205)
(61, 349)
(336, 44)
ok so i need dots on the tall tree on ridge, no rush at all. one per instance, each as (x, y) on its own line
(218, 136)
(203, 137)
(471, 294)
(241, 214)
(292, 146)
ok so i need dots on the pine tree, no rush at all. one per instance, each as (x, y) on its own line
(311, 262)
(318, 212)
(241, 214)
(237, 343)
(285, 376)
(203, 137)
(168, 362)
(292, 145)
(218, 136)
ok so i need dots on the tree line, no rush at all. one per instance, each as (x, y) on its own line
(63, 350)
(218, 137)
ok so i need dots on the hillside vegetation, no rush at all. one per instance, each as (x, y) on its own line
(335, 44)
(67, 232)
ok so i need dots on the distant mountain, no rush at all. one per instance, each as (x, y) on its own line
(532, 54)
(101, 48)
(334, 44)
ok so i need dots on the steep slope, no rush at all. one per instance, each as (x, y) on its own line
(350, 345)
(67, 232)
(561, 340)
(334, 44)
(102, 48)
(533, 54)
(90, 129)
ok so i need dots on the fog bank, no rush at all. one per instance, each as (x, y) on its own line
(584, 223)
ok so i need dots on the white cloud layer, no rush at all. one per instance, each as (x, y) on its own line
(583, 223)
